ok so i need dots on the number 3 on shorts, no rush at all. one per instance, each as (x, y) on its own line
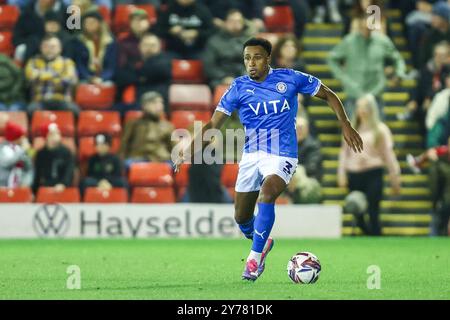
(287, 168)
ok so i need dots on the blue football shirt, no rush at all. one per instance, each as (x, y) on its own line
(268, 110)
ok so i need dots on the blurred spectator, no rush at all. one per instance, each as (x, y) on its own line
(94, 50)
(128, 45)
(147, 138)
(104, 168)
(440, 31)
(437, 135)
(416, 163)
(30, 27)
(156, 3)
(52, 78)
(52, 25)
(205, 185)
(88, 5)
(440, 191)
(305, 185)
(185, 26)
(80, 3)
(16, 167)
(150, 71)
(253, 13)
(431, 80)
(54, 163)
(364, 171)
(11, 85)
(439, 106)
(219, 10)
(363, 54)
(286, 54)
(417, 21)
(360, 8)
(326, 10)
(223, 56)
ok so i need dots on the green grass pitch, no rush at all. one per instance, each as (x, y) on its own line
(411, 268)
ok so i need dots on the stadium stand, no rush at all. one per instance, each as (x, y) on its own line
(49, 195)
(16, 195)
(187, 71)
(153, 195)
(64, 119)
(189, 97)
(150, 174)
(93, 122)
(95, 96)
(115, 195)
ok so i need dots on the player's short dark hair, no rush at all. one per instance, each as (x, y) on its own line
(259, 42)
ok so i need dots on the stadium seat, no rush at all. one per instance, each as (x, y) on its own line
(150, 174)
(49, 195)
(129, 94)
(95, 96)
(92, 122)
(218, 93)
(229, 174)
(153, 195)
(122, 12)
(64, 119)
(187, 71)
(189, 97)
(106, 14)
(16, 195)
(6, 45)
(115, 195)
(182, 176)
(278, 19)
(86, 147)
(18, 117)
(185, 118)
(69, 142)
(8, 17)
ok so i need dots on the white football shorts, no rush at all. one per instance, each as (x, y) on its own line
(254, 167)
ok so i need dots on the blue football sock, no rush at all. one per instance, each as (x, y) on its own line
(263, 225)
(247, 228)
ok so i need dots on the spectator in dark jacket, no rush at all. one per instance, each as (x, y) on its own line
(104, 168)
(95, 51)
(11, 85)
(185, 26)
(151, 71)
(128, 45)
(30, 28)
(305, 184)
(54, 163)
(440, 31)
(223, 58)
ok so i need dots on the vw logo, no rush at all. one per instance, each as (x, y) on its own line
(51, 220)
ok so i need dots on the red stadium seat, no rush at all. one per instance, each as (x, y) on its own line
(49, 195)
(229, 174)
(92, 122)
(106, 14)
(182, 176)
(64, 119)
(86, 147)
(218, 93)
(150, 174)
(187, 71)
(6, 45)
(278, 19)
(16, 195)
(129, 94)
(115, 195)
(69, 142)
(95, 96)
(185, 118)
(8, 17)
(122, 12)
(189, 97)
(18, 117)
(153, 195)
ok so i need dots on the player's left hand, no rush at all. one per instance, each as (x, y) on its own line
(352, 137)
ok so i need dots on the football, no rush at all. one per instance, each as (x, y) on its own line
(304, 267)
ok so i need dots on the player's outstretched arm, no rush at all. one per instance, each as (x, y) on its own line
(351, 136)
(216, 122)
